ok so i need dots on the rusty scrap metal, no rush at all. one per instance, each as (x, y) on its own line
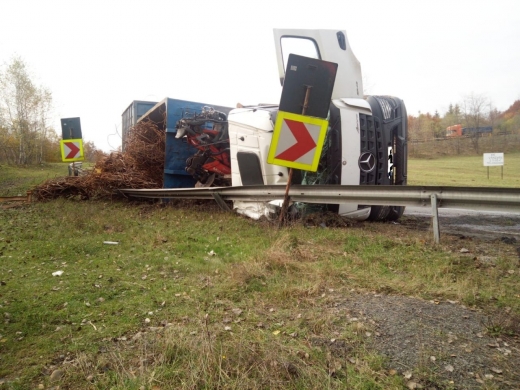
(15, 201)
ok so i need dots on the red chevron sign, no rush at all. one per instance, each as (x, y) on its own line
(71, 150)
(297, 141)
(304, 142)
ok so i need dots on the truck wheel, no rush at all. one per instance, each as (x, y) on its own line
(394, 213)
(378, 213)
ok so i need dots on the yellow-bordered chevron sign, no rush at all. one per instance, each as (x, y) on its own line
(297, 141)
(71, 150)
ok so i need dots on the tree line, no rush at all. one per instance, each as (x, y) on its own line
(27, 136)
(26, 133)
(474, 111)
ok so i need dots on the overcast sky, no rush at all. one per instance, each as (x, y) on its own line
(96, 57)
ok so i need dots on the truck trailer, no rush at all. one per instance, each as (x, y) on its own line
(459, 131)
(365, 144)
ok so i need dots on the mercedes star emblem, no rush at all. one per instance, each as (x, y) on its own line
(367, 162)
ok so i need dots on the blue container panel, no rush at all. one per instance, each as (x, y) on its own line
(175, 155)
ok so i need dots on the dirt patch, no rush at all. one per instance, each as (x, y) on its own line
(440, 344)
(326, 219)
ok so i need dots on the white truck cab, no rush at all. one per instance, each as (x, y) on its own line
(365, 142)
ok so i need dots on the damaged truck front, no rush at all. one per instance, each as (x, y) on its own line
(365, 142)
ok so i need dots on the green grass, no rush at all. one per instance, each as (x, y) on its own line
(192, 297)
(274, 288)
(467, 171)
(16, 180)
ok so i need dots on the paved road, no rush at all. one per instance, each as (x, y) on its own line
(485, 224)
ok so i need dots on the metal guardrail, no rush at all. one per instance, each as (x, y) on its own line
(492, 199)
(481, 198)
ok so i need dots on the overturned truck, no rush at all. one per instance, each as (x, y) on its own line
(209, 145)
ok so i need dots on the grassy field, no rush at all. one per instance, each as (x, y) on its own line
(192, 297)
(467, 171)
(16, 181)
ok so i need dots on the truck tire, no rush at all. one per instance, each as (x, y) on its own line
(395, 212)
(379, 213)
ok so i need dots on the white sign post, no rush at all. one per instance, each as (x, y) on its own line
(494, 160)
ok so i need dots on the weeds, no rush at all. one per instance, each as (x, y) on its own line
(502, 323)
(192, 297)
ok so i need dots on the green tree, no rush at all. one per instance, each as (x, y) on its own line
(510, 119)
(452, 117)
(424, 127)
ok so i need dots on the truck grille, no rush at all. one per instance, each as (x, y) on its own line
(371, 139)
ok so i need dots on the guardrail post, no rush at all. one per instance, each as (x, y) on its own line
(221, 202)
(435, 219)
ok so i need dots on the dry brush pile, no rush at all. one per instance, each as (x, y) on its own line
(141, 165)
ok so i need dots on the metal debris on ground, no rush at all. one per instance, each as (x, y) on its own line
(15, 201)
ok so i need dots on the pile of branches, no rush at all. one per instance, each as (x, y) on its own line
(140, 166)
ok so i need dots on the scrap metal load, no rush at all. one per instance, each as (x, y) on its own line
(207, 131)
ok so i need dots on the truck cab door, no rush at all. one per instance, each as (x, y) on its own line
(327, 45)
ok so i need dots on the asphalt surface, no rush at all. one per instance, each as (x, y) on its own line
(484, 224)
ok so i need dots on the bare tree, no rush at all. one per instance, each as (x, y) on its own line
(493, 115)
(24, 109)
(475, 111)
(44, 108)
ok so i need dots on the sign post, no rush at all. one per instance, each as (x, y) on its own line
(494, 160)
(71, 150)
(300, 129)
(289, 179)
(72, 142)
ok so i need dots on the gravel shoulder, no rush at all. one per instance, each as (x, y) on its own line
(437, 345)
(443, 344)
